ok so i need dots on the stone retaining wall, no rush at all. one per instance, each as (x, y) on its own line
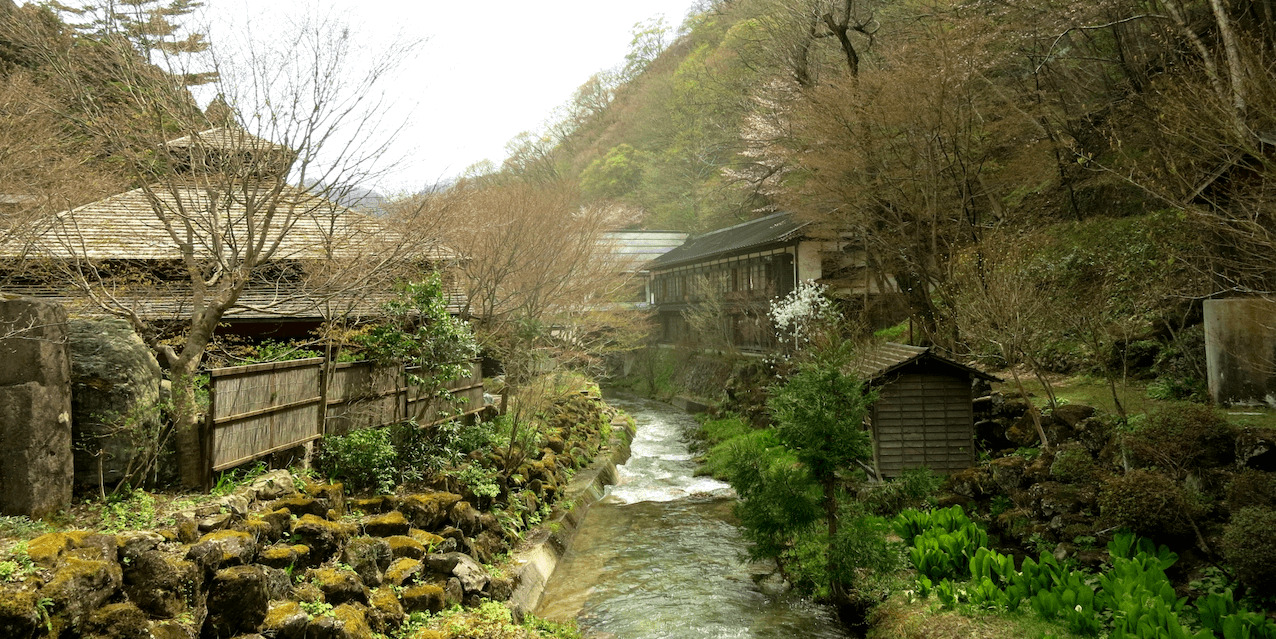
(537, 557)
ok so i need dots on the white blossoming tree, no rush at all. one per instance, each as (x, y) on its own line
(802, 315)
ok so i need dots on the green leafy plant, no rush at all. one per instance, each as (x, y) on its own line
(129, 509)
(362, 460)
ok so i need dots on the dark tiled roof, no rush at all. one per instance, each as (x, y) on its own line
(889, 357)
(779, 227)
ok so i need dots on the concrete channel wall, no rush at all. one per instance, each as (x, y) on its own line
(535, 560)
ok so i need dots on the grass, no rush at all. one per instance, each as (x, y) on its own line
(1093, 391)
(900, 618)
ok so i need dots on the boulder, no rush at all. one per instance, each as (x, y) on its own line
(80, 586)
(134, 543)
(465, 518)
(286, 620)
(1071, 414)
(19, 616)
(333, 496)
(238, 600)
(114, 397)
(460, 565)
(428, 511)
(117, 621)
(384, 611)
(1008, 472)
(1256, 449)
(223, 548)
(162, 586)
(403, 571)
(387, 525)
(35, 409)
(404, 546)
(339, 586)
(344, 622)
(422, 598)
(369, 557)
(323, 537)
(272, 485)
(300, 506)
(283, 556)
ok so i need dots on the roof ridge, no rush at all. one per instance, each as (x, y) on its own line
(741, 224)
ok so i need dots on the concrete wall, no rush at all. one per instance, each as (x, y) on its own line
(1240, 351)
(809, 263)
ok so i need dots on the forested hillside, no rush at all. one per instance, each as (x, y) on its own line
(1004, 162)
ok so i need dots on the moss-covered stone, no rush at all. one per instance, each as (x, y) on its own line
(385, 611)
(428, 510)
(389, 524)
(223, 548)
(422, 598)
(466, 518)
(403, 571)
(404, 546)
(278, 556)
(18, 614)
(322, 536)
(300, 505)
(346, 621)
(286, 620)
(307, 592)
(238, 600)
(117, 621)
(427, 539)
(369, 557)
(332, 496)
(339, 586)
(161, 585)
(46, 549)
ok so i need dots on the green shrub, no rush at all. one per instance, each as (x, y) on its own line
(1180, 439)
(1148, 503)
(911, 489)
(1073, 464)
(364, 460)
(1252, 488)
(1249, 545)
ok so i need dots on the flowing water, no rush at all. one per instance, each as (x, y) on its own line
(659, 555)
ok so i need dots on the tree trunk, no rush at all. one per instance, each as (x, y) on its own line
(188, 434)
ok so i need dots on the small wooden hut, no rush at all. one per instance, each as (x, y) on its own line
(923, 415)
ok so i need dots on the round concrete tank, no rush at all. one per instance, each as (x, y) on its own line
(1240, 350)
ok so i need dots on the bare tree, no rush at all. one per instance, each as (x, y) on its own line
(218, 205)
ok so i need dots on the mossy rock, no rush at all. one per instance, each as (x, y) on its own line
(339, 586)
(286, 620)
(404, 546)
(332, 495)
(387, 525)
(279, 556)
(385, 611)
(323, 537)
(427, 539)
(307, 592)
(18, 614)
(300, 505)
(238, 600)
(369, 557)
(1149, 503)
(46, 549)
(404, 571)
(117, 621)
(422, 598)
(223, 548)
(162, 586)
(344, 622)
(80, 586)
(428, 510)
(466, 518)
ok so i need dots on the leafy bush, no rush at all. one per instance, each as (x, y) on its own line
(1073, 464)
(1180, 439)
(127, 510)
(1252, 488)
(1249, 544)
(910, 490)
(1148, 503)
(364, 460)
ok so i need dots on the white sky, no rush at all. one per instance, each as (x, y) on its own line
(487, 71)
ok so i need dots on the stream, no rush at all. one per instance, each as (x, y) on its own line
(660, 555)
